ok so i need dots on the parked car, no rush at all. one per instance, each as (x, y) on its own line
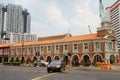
(56, 65)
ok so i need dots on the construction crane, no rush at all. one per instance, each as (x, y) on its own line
(102, 11)
(89, 29)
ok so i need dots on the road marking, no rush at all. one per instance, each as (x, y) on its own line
(44, 76)
(49, 75)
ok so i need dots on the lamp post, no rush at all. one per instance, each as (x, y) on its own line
(113, 40)
(22, 51)
(37, 54)
(92, 45)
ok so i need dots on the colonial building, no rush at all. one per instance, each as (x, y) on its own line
(84, 49)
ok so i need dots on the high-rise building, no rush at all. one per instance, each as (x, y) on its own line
(114, 16)
(1, 19)
(26, 21)
(15, 19)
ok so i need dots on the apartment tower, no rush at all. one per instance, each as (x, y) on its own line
(15, 19)
(1, 19)
(114, 15)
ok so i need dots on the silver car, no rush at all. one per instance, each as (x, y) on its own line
(56, 65)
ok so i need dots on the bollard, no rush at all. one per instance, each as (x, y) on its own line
(110, 68)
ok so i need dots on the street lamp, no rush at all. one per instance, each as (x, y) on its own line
(22, 51)
(113, 40)
(37, 54)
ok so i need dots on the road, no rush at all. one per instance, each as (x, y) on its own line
(40, 73)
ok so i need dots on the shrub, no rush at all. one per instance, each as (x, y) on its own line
(12, 63)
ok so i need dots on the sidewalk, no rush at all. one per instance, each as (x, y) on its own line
(116, 67)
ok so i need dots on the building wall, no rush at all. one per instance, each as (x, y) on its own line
(61, 48)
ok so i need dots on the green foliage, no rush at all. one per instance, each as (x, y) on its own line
(12, 63)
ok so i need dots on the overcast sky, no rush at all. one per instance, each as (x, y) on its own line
(51, 17)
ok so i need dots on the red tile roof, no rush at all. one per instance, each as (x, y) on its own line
(69, 39)
(82, 37)
(4, 45)
(53, 36)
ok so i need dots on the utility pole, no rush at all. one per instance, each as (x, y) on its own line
(89, 29)
(23, 49)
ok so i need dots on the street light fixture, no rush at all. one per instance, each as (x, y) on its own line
(22, 51)
(113, 40)
(37, 60)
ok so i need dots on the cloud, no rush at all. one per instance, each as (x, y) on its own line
(56, 16)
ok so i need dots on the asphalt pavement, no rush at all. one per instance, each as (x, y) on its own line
(72, 73)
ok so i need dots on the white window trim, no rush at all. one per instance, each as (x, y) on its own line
(48, 51)
(107, 46)
(12, 51)
(65, 51)
(75, 51)
(85, 50)
(23, 48)
(56, 51)
(34, 49)
(41, 52)
(17, 51)
(95, 49)
(28, 52)
(112, 46)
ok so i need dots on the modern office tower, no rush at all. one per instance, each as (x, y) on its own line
(1, 20)
(17, 19)
(114, 16)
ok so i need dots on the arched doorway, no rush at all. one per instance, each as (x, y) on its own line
(112, 59)
(48, 59)
(56, 58)
(0, 59)
(23, 60)
(41, 58)
(6, 59)
(86, 61)
(65, 59)
(17, 59)
(12, 59)
(28, 61)
(35, 58)
(75, 60)
(97, 58)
